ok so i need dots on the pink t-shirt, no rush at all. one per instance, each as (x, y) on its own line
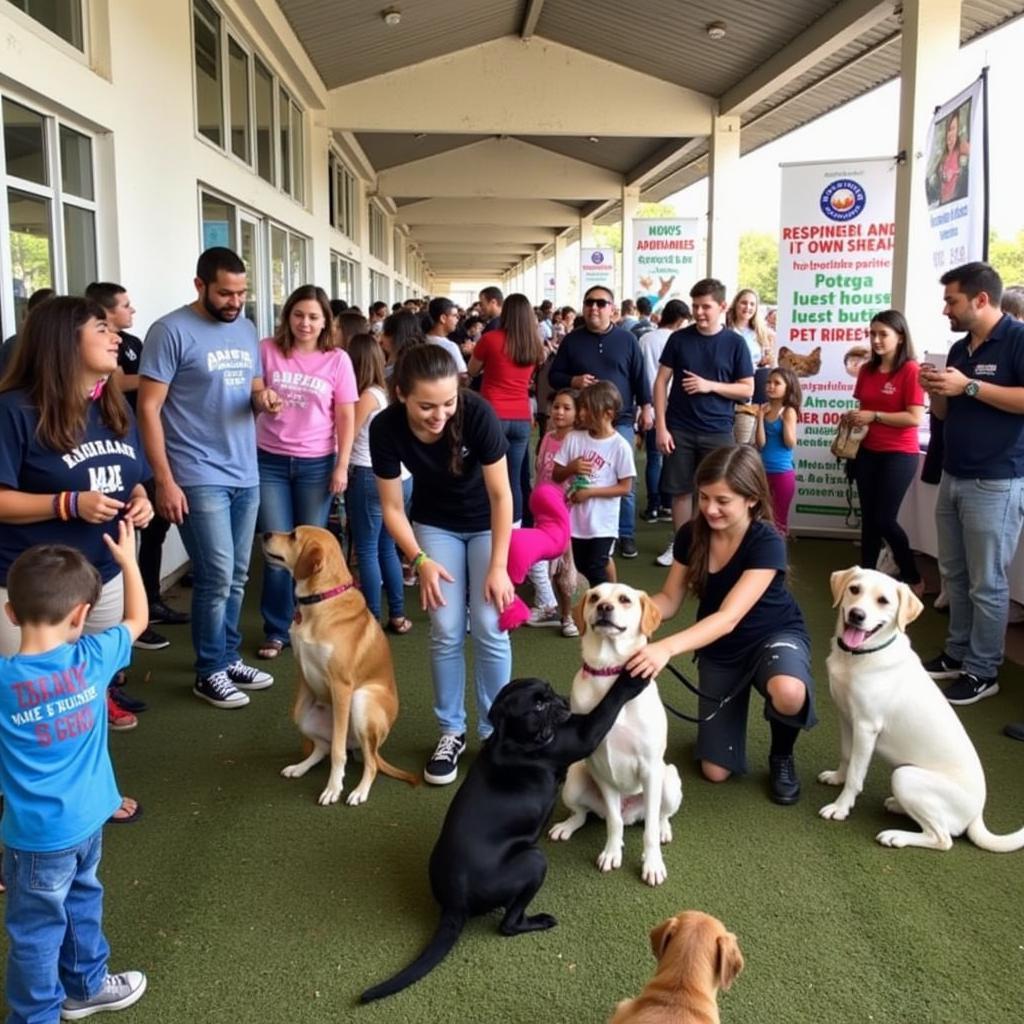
(310, 385)
(549, 446)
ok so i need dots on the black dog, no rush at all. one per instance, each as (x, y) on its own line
(487, 855)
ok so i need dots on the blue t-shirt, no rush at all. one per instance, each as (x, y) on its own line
(209, 367)
(775, 612)
(777, 458)
(55, 771)
(101, 461)
(982, 442)
(722, 357)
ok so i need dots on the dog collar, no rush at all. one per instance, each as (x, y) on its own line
(614, 670)
(317, 598)
(861, 650)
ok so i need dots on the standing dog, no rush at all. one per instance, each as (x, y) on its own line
(626, 779)
(346, 692)
(887, 701)
(487, 855)
(696, 957)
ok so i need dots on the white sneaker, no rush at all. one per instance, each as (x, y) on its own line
(569, 628)
(544, 616)
(665, 558)
(119, 991)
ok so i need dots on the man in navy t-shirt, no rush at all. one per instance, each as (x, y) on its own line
(980, 507)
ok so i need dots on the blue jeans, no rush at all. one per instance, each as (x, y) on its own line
(517, 433)
(375, 549)
(293, 492)
(627, 504)
(466, 556)
(217, 534)
(652, 473)
(54, 921)
(978, 524)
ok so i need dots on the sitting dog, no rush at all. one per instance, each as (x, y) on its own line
(487, 855)
(887, 701)
(626, 779)
(346, 694)
(696, 957)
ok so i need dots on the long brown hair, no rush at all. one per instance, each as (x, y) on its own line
(432, 362)
(522, 332)
(742, 471)
(47, 365)
(368, 362)
(283, 335)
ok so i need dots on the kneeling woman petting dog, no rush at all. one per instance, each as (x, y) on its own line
(749, 629)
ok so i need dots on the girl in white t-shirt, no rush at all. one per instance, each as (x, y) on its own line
(376, 554)
(599, 464)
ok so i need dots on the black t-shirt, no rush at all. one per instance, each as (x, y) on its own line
(438, 497)
(129, 353)
(775, 612)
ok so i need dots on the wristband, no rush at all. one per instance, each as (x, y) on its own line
(74, 504)
(56, 506)
(64, 506)
(421, 557)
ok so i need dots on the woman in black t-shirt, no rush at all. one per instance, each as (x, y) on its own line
(451, 442)
(749, 629)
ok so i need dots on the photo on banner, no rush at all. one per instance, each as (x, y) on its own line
(664, 258)
(835, 273)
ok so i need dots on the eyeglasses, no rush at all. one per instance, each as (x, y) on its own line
(600, 303)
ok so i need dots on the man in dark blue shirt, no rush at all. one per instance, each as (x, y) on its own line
(599, 351)
(979, 512)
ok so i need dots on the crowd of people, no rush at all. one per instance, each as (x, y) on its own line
(417, 420)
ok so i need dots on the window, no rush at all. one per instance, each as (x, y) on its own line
(264, 92)
(63, 17)
(209, 105)
(398, 252)
(378, 233)
(380, 288)
(289, 120)
(343, 279)
(238, 90)
(341, 183)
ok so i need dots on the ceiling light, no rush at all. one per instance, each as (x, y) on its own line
(593, 138)
(391, 16)
(716, 30)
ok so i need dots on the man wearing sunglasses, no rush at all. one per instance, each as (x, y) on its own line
(601, 351)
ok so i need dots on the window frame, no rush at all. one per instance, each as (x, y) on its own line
(377, 232)
(343, 197)
(55, 38)
(336, 260)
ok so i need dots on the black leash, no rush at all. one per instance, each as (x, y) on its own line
(720, 701)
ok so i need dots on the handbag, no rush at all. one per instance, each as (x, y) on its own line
(846, 443)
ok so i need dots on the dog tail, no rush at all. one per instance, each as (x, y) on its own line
(980, 836)
(396, 773)
(448, 931)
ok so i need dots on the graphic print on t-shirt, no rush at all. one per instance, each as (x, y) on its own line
(294, 388)
(107, 479)
(234, 364)
(55, 705)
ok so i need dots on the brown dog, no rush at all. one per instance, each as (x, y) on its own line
(346, 694)
(802, 365)
(696, 957)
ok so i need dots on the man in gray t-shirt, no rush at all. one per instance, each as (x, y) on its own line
(200, 386)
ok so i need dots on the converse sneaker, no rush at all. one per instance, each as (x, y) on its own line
(118, 992)
(218, 690)
(151, 640)
(544, 616)
(665, 558)
(942, 666)
(969, 689)
(443, 767)
(627, 547)
(784, 782)
(569, 628)
(248, 677)
(650, 515)
(117, 718)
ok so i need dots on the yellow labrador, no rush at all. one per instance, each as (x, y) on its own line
(626, 779)
(886, 701)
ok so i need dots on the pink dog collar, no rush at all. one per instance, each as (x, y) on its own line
(614, 670)
(317, 598)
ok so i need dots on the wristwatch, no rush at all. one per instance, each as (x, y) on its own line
(971, 388)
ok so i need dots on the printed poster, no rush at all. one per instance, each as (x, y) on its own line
(597, 267)
(664, 257)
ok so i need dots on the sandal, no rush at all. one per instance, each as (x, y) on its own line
(270, 649)
(128, 818)
(401, 625)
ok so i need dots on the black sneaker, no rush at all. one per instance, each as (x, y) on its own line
(162, 613)
(218, 690)
(443, 766)
(248, 677)
(1015, 730)
(118, 992)
(627, 547)
(148, 640)
(942, 666)
(665, 513)
(124, 702)
(650, 516)
(969, 689)
(785, 785)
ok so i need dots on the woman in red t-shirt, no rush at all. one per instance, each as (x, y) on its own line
(892, 408)
(509, 357)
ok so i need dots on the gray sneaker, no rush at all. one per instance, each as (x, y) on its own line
(118, 992)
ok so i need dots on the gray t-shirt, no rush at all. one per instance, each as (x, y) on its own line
(209, 366)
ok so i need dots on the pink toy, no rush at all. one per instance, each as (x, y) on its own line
(548, 538)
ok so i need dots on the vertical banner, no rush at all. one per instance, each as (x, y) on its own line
(597, 267)
(956, 185)
(835, 273)
(664, 257)
(549, 288)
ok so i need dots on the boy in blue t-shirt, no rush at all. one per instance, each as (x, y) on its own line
(58, 782)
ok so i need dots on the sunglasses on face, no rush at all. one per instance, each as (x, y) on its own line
(600, 303)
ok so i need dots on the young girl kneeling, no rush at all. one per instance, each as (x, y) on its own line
(749, 629)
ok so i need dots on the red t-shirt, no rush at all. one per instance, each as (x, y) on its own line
(890, 392)
(505, 385)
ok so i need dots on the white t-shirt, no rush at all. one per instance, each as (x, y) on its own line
(613, 461)
(651, 345)
(361, 444)
(451, 348)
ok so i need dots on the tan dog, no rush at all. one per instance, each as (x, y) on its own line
(346, 694)
(696, 957)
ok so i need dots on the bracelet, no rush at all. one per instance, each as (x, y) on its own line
(421, 557)
(74, 504)
(56, 506)
(64, 506)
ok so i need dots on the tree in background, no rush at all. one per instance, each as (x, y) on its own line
(1007, 256)
(759, 265)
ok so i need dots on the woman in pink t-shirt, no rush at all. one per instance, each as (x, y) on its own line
(303, 451)
(508, 358)
(892, 408)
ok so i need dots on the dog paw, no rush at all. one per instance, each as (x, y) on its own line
(560, 832)
(654, 871)
(893, 806)
(892, 837)
(836, 811)
(331, 795)
(294, 771)
(609, 860)
(541, 922)
(357, 796)
(832, 778)
(666, 832)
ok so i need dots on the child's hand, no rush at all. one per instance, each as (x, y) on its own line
(123, 549)
(578, 496)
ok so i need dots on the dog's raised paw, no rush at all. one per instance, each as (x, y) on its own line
(609, 860)
(832, 778)
(835, 811)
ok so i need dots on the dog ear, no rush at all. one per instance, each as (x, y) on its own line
(662, 935)
(310, 562)
(838, 581)
(909, 607)
(577, 614)
(730, 960)
(650, 617)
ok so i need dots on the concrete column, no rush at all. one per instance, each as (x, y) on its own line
(586, 232)
(561, 272)
(724, 202)
(538, 279)
(363, 296)
(630, 201)
(931, 39)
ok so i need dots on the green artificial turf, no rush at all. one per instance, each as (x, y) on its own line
(244, 900)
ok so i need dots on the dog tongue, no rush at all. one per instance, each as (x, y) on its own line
(853, 637)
